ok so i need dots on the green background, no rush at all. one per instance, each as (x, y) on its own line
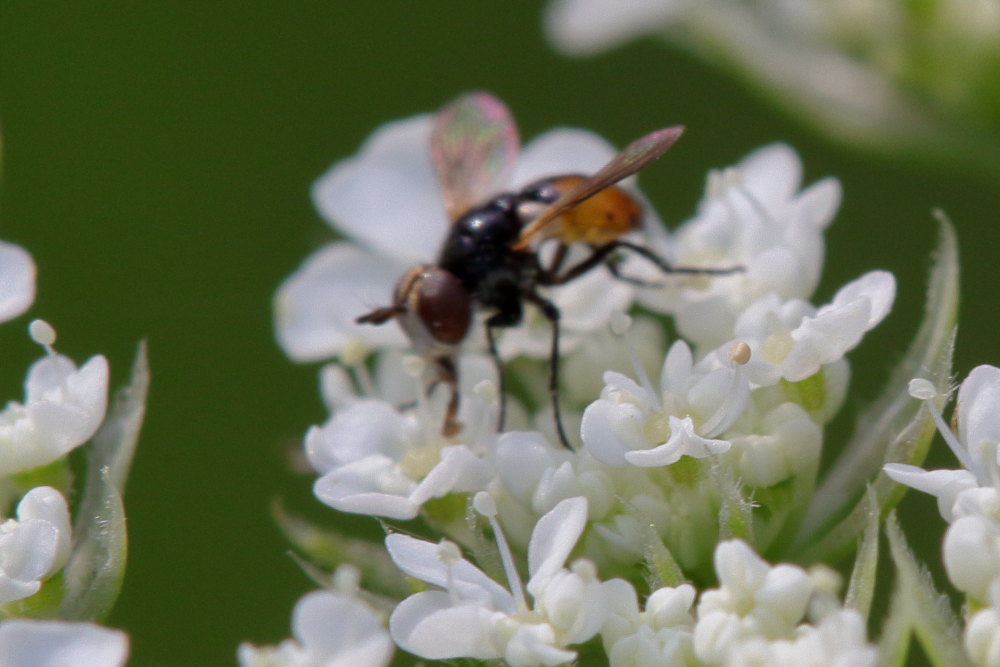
(157, 160)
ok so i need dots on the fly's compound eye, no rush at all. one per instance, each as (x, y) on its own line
(438, 307)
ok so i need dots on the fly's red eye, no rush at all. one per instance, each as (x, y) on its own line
(441, 304)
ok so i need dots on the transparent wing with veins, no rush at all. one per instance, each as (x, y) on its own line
(474, 144)
(634, 157)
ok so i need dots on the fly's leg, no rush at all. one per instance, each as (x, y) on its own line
(551, 313)
(601, 255)
(501, 383)
(448, 374)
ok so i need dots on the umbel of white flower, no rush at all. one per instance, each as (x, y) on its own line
(677, 448)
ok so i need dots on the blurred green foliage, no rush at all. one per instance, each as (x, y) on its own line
(157, 164)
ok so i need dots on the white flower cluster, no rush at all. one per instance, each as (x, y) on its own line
(969, 500)
(62, 409)
(726, 443)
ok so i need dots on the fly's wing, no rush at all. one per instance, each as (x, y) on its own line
(635, 156)
(473, 146)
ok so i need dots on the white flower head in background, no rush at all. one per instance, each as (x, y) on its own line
(874, 73)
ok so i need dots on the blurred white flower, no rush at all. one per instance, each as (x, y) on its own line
(329, 629)
(60, 644)
(838, 640)
(754, 600)
(982, 636)
(659, 635)
(35, 545)
(875, 73)
(782, 443)
(17, 281)
(62, 409)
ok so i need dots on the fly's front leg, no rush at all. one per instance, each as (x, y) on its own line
(508, 314)
(501, 383)
(448, 374)
(551, 313)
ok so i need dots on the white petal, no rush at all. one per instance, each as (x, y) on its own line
(783, 596)
(17, 589)
(979, 410)
(64, 407)
(772, 173)
(817, 204)
(316, 307)
(336, 386)
(535, 644)
(387, 196)
(611, 430)
(365, 428)
(17, 281)
(878, 287)
(521, 459)
(587, 303)
(825, 338)
(421, 559)
(677, 368)
(971, 555)
(738, 567)
(373, 485)
(28, 551)
(944, 484)
(554, 537)
(427, 625)
(683, 441)
(459, 470)
(46, 504)
(61, 644)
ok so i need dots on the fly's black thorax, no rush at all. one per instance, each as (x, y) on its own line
(478, 251)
